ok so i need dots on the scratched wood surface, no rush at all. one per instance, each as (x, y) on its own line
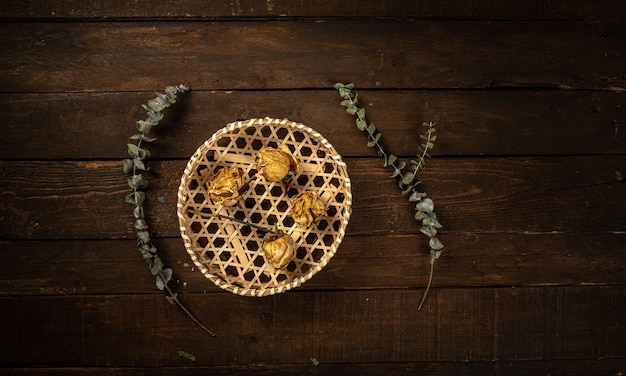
(527, 178)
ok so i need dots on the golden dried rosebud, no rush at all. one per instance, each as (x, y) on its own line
(275, 164)
(306, 207)
(224, 187)
(278, 248)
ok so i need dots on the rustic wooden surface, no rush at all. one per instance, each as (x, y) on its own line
(531, 117)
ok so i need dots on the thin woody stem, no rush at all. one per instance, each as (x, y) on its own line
(430, 281)
(174, 298)
(221, 216)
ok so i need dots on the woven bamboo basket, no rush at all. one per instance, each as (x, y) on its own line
(229, 253)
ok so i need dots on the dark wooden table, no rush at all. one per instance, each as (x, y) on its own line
(526, 176)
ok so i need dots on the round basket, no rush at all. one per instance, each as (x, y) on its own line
(228, 252)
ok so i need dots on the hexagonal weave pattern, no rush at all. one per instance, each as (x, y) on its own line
(228, 252)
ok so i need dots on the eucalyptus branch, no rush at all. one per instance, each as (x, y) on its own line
(407, 179)
(138, 182)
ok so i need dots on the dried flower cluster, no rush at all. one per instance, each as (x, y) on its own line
(273, 165)
(224, 187)
(278, 248)
(306, 207)
(407, 180)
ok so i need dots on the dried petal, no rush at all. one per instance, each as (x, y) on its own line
(306, 207)
(275, 164)
(224, 187)
(278, 248)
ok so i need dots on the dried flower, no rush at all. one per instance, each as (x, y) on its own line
(278, 248)
(275, 164)
(224, 187)
(306, 207)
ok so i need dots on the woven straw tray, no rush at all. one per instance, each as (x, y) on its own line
(228, 252)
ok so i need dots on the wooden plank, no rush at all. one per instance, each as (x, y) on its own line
(371, 262)
(84, 199)
(360, 326)
(74, 125)
(284, 9)
(572, 367)
(101, 56)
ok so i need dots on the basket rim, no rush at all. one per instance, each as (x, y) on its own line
(238, 126)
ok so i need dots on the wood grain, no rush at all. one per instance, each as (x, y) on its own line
(85, 200)
(88, 267)
(354, 327)
(95, 57)
(284, 9)
(511, 368)
(473, 122)
(464, 368)
(528, 97)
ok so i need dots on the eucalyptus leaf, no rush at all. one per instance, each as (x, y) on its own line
(435, 244)
(133, 150)
(361, 113)
(371, 129)
(148, 247)
(186, 355)
(144, 126)
(148, 139)
(401, 165)
(417, 196)
(166, 97)
(128, 165)
(391, 159)
(167, 275)
(434, 255)
(140, 224)
(143, 236)
(426, 205)
(137, 152)
(153, 115)
(139, 164)
(361, 124)
(163, 278)
(157, 266)
(351, 109)
(146, 255)
(157, 104)
(138, 212)
(407, 190)
(428, 231)
(136, 198)
(137, 181)
(344, 92)
(374, 140)
(408, 178)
